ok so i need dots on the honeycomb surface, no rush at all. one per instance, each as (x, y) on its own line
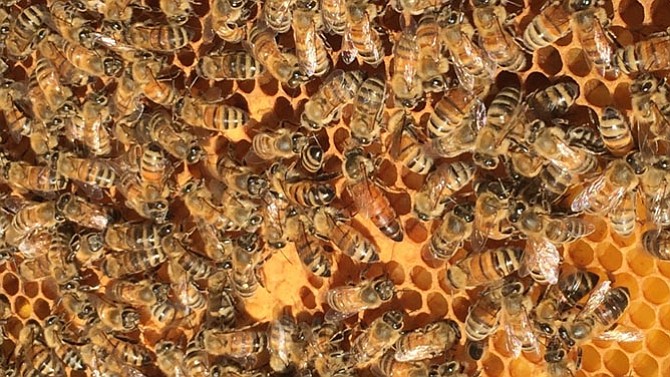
(422, 290)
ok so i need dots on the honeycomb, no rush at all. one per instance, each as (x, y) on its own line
(423, 292)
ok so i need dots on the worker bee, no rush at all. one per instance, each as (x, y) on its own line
(212, 116)
(558, 363)
(221, 304)
(15, 108)
(285, 144)
(37, 358)
(189, 297)
(456, 227)
(388, 366)
(334, 14)
(245, 262)
(237, 344)
(368, 197)
(79, 305)
(278, 15)
(427, 342)
(604, 307)
(199, 201)
(405, 81)
(127, 352)
(93, 171)
(324, 106)
(491, 211)
(56, 94)
(283, 67)
(346, 301)
(366, 120)
(136, 236)
(176, 11)
(483, 318)
(196, 360)
(148, 201)
(90, 126)
(310, 249)
(53, 337)
(452, 110)
(24, 177)
(519, 330)
(227, 20)
(623, 217)
(432, 64)
(378, 338)
(555, 100)
(179, 144)
(94, 63)
(552, 24)
(78, 210)
(311, 50)
(116, 317)
(551, 144)
(137, 293)
(649, 100)
(447, 179)
(589, 23)
(154, 168)
(68, 74)
(615, 131)
(124, 263)
(27, 30)
(484, 268)
(229, 65)
(287, 344)
(164, 313)
(30, 217)
(170, 359)
(606, 192)
(489, 18)
(240, 179)
(559, 298)
(360, 38)
(159, 37)
(125, 101)
(655, 242)
(330, 225)
(405, 145)
(291, 186)
(647, 55)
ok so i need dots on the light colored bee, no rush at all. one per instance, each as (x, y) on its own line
(360, 38)
(170, 359)
(484, 268)
(589, 24)
(335, 92)
(615, 131)
(350, 300)
(227, 20)
(647, 55)
(607, 191)
(405, 81)
(26, 31)
(447, 179)
(432, 63)
(550, 25)
(427, 342)
(489, 18)
(554, 100)
(405, 144)
(313, 57)
(214, 116)
(456, 105)
(176, 11)
(283, 67)
(229, 65)
(237, 344)
(378, 338)
(365, 123)
(287, 344)
(456, 227)
(334, 14)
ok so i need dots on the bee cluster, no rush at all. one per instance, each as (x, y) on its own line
(170, 210)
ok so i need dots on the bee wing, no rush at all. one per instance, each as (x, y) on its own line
(334, 316)
(603, 43)
(132, 372)
(518, 332)
(309, 63)
(584, 200)
(622, 334)
(596, 298)
(655, 205)
(418, 352)
(542, 257)
(348, 52)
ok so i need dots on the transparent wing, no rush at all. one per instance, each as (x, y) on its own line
(596, 298)
(334, 316)
(542, 259)
(584, 200)
(622, 334)
(311, 40)
(349, 51)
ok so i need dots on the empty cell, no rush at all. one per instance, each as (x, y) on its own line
(623, 241)
(31, 288)
(622, 96)
(49, 289)
(631, 12)
(596, 93)
(591, 361)
(658, 342)
(663, 267)
(401, 202)
(421, 278)
(412, 180)
(641, 263)
(610, 257)
(549, 60)
(340, 139)
(460, 307)
(581, 253)
(519, 367)
(642, 315)
(601, 229)
(664, 316)
(655, 290)
(645, 365)
(437, 305)
(41, 308)
(616, 362)
(493, 365)
(410, 300)
(10, 283)
(660, 14)
(578, 63)
(499, 341)
(416, 230)
(308, 298)
(631, 347)
(387, 173)
(395, 272)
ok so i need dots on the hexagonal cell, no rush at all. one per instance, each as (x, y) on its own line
(387, 173)
(642, 315)
(410, 300)
(641, 263)
(660, 14)
(591, 361)
(14, 326)
(421, 278)
(308, 298)
(10, 284)
(616, 362)
(41, 308)
(610, 258)
(664, 316)
(632, 13)
(623, 241)
(601, 227)
(460, 307)
(22, 307)
(580, 253)
(597, 94)
(535, 81)
(645, 365)
(416, 230)
(658, 342)
(519, 367)
(577, 62)
(412, 180)
(31, 289)
(395, 272)
(631, 347)
(549, 60)
(622, 96)
(437, 305)
(655, 290)
(493, 365)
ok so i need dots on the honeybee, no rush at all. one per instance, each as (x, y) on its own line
(92, 62)
(278, 15)
(330, 225)
(56, 94)
(615, 131)
(555, 100)
(227, 20)
(655, 242)
(30, 217)
(623, 217)
(324, 106)
(388, 366)
(221, 304)
(159, 38)
(195, 266)
(68, 74)
(92, 131)
(125, 101)
(378, 338)
(283, 67)
(368, 197)
(589, 23)
(79, 305)
(196, 360)
(360, 38)
(552, 24)
(405, 81)
(456, 227)
(432, 64)
(519, 331)
(551, 144)
(483, 318)
(53, 338)
(170, 359)
(245, 261)
(180, 144)
(649, 100)
(484, 268)
(452, 110)
(136, 236)
(558, 298)
(405, 145)
(607, 191)
(346, 301)
(198, 200)
(37, 359)
(334, 14)
(116, 317)
(24, 177)
(287, 344)
(291, 186)
(238, 344)
(229, 65)
(556, 179)
(93, 171)
(310, 48)
(26, 31)
(427, 342)
(120, 264)
(78, 210)
(489, 18)
(366, 120)
(53, 263)
(558, 364)
(154, 168)
(190, 297)
(310, 249)
(647, 55)
(126, 352)
(139, 293)
(176, 11)
(148, 201)
(15, 108)
(213, 116)
(285, 144)
(604, 307)
(163, 313)
(447, 179)
(238, 178)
